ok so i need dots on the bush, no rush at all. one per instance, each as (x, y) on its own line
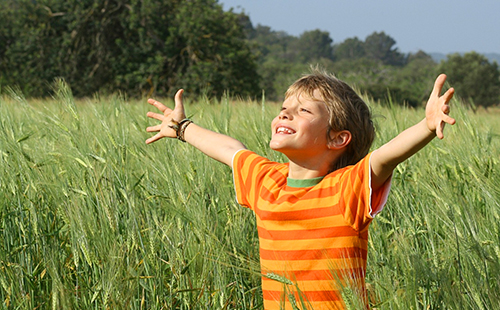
(137, 47)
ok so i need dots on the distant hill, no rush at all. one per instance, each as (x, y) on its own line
(491, 57)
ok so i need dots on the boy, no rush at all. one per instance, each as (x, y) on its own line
(313, 212)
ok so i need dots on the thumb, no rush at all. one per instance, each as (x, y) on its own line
(179, 106)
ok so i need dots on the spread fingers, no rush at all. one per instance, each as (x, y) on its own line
(153, 128)
(160, 106)
(155, 116)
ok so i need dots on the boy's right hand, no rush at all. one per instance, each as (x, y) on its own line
(168, 118)
(218, 146)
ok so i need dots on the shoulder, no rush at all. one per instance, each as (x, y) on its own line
(255, 172)
(360, 168)
(244, 154)
(249, 160)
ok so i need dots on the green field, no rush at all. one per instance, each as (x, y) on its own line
(92, 218)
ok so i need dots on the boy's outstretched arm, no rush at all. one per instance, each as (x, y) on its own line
(218, 146)
(410, 141)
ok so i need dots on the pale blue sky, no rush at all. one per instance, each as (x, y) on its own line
(430, 25)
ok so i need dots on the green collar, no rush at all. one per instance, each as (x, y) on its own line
(303, 182)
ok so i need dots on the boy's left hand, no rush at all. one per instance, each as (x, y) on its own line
(437, 109)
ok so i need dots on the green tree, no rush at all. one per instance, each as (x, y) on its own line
(410, 84)
(351, 48)
(414, 81)
(276, 58)
(211, 51)
(282, 57)
(380, 46)
(313, 45)
(134, 46)
(26, 59)
(270, 44)
(475, 79)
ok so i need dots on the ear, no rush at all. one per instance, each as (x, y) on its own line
(339, 140)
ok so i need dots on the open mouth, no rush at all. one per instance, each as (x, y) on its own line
(284, 130)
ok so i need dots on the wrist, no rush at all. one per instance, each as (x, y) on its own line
(180, 127)
(428, 127)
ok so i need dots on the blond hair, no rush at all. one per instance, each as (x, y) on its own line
(346, 109)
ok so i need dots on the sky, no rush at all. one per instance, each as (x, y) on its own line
(434, 26)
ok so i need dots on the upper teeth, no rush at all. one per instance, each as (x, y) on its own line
(283, 130)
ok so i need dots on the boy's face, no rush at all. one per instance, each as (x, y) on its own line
(301, 126)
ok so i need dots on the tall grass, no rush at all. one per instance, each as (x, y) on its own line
(436, 245)
(92, 218)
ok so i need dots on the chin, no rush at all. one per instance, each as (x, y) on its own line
(275, 144)
(279, 148)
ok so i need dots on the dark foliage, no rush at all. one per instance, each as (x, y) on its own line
(152, 47)
(133, 46)
(474, 77)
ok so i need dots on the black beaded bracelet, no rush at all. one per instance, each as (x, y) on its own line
(182, 128)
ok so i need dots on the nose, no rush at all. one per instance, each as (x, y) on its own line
(284, 114)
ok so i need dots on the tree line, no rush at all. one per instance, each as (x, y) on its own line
(374, 65)
(136, 47)
(152, 47)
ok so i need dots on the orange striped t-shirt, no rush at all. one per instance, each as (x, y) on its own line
(314, 239)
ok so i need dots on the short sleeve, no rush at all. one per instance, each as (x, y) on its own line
(249, 170)
(359, 202)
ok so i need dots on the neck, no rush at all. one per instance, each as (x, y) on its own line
(310, 167)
